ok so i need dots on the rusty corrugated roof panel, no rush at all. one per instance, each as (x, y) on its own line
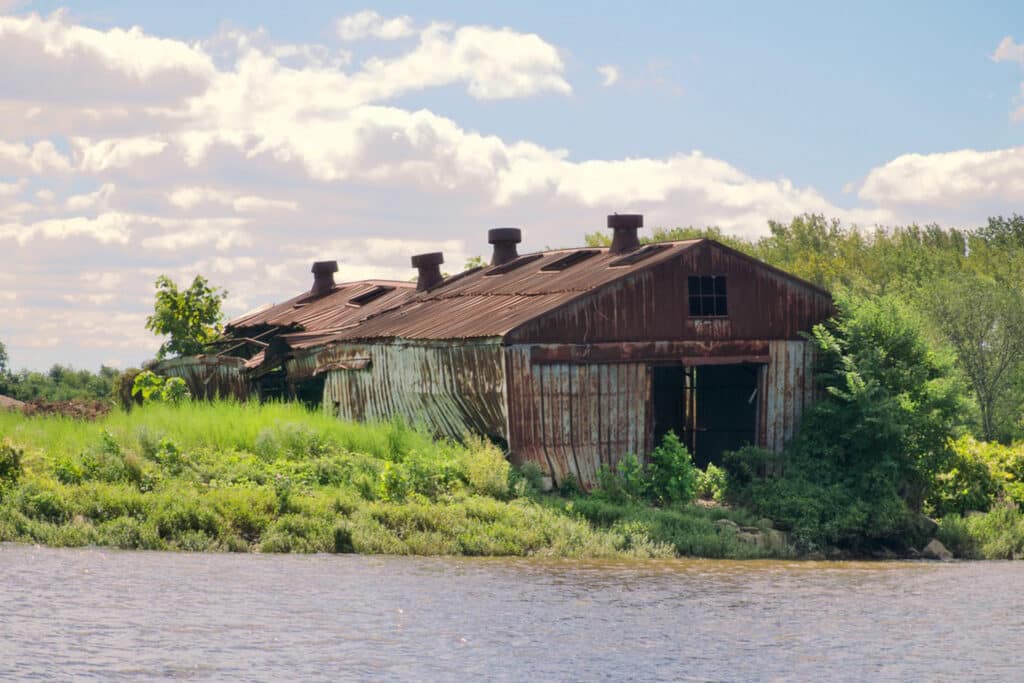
(483, 304)
(330, 312)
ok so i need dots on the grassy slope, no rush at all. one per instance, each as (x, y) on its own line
(277, 478)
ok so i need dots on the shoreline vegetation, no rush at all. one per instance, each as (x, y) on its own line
(278, 477)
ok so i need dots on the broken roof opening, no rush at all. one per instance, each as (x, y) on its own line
(512, 265)
(639, 255)
(368, 296)
(570, 260)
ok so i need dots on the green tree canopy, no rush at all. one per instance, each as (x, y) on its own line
(191, 318)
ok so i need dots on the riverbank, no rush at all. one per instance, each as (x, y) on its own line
(278, 478)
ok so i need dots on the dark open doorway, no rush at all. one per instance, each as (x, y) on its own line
(712, 408)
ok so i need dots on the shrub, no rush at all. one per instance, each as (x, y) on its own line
(148, 386)
(712, 483)
(10, 463)
(486, 469)
(867, 455)
(673, 478)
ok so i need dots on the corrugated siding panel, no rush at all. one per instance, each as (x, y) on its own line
(208, 377)
(572, 418)
(787, 387)
(454, 389)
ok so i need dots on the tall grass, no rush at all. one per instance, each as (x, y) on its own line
(278, 477)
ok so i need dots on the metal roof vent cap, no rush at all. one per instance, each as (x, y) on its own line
(625, 226)
(504, 241)
(323, 277)
(429, 266)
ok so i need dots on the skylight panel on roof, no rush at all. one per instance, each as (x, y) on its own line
(366, 297)
(570, 260)
(639, 255)
(512, 265)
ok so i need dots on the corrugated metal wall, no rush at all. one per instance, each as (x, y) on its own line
(208, 377)
(453, 387)
(788, 387)
(571, 418)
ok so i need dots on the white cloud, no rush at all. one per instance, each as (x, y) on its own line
(46, 195)
(106, 228)
(12, 189)
(37, 158)
(610, 74)
(494, 63)
(101, 279)
(1008, 51)
(130, 52)
(369, 24)
(218, 232)
(189, 197)
(92, 200)
(948, 178)
(103, 155)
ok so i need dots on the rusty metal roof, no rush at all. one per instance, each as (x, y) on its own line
(491, 301)
(347, 303)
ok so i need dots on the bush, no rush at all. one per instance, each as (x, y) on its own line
(10, 464)
(974, 479)
(868, 454)
(673, 478)
(486, 469)
(669, 478)
(712, 483)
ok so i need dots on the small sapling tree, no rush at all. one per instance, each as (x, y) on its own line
(191, 318)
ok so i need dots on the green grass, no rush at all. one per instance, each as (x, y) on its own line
(279, 478)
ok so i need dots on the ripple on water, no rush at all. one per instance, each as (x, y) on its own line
(100, 614)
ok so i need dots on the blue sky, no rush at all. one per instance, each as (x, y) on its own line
(244, 139)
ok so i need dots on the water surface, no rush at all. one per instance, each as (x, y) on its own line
(105, 615)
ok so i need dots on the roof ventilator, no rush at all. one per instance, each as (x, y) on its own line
(429, 266)
(504, 241)
(323, 277)
(625, 226)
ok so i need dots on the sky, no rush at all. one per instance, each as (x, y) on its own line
(244, 140)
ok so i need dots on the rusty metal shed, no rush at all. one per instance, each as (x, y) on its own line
(575, 357)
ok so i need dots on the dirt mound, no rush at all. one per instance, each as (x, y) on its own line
(8, 403)
(76, 409)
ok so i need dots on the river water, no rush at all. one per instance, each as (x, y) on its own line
(98, 614)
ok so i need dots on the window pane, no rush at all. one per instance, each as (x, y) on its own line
(693, 285)
(707, 305)
(720, 285)
(707, 285)
(720, 307)
(694, 305)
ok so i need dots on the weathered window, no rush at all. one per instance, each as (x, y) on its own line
(707, 295)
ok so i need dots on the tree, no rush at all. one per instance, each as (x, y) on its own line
(191, 318)
(984, 323)
(3, 359)
(868, 455)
